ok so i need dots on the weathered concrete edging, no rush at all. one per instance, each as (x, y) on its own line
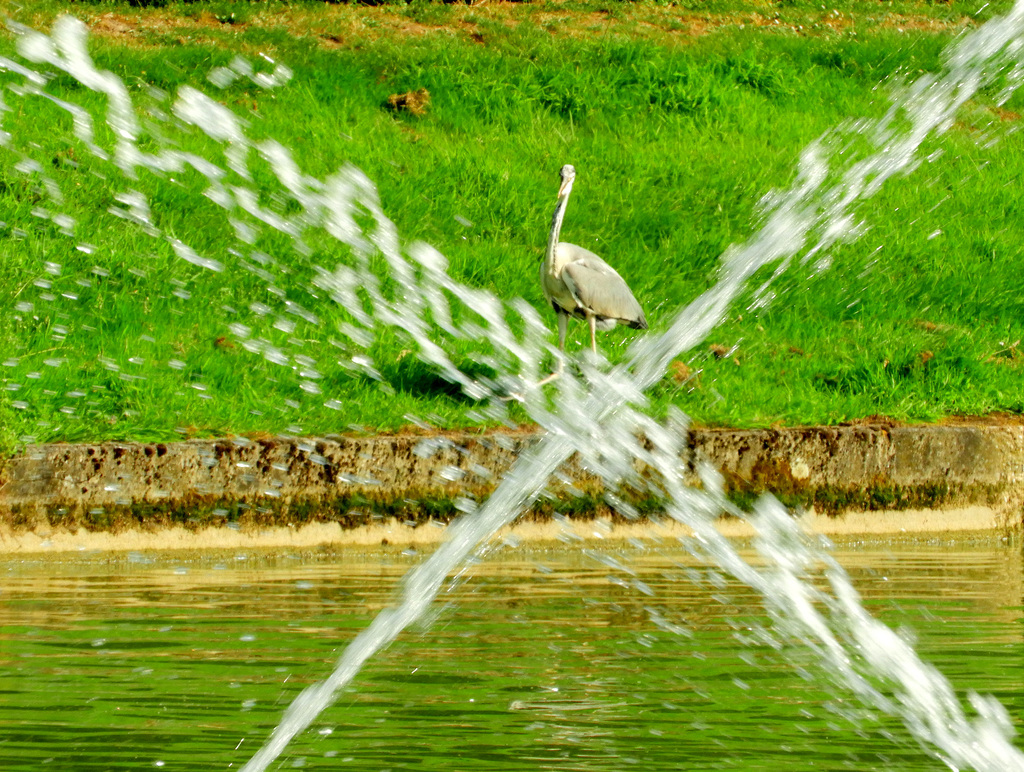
(355, 482)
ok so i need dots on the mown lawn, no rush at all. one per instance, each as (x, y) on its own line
(678, 118)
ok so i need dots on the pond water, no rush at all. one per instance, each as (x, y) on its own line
(537, 658)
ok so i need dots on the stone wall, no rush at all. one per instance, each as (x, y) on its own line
(352, 481)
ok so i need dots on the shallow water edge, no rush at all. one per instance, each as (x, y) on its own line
(398, 535)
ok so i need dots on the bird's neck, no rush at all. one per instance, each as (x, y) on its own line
(556, 229)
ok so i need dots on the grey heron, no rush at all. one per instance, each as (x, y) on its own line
(577, 282)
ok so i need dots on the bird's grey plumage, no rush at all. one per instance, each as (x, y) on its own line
(577, 282)
(598, 287)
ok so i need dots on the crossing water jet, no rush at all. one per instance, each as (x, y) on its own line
(817, 212)
(598, 412)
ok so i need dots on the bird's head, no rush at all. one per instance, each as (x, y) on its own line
(568, 174)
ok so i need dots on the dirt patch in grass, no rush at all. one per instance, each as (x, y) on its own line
(415, 102)
(904, 23)
(113, 25)
(992, 419)
(137, 30)
(344, 25)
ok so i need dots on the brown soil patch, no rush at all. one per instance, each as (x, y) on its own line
(135, 30)
(1005, 115)
(992, 419)
(904, 23)
(112, 25)
(415, 102)
(345, 25)
(873, 420)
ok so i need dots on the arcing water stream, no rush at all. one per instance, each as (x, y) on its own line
(598, 412)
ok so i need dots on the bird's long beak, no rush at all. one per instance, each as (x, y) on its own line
(565, 187)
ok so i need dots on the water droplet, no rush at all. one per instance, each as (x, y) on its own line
(452, 473)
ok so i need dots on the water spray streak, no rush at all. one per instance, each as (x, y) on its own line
(598, 412)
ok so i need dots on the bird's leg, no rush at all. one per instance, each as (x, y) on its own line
(554, 376)
(592, 321)
(563, 326)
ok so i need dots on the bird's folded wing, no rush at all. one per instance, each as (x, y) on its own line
(600, 290)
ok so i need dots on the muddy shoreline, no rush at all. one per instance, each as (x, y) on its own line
(965, 475)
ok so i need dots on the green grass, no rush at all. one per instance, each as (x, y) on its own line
(675, 140)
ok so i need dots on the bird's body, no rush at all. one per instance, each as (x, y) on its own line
(579, 283)
(576, 282)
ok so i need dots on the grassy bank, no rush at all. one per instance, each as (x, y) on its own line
(677, 118)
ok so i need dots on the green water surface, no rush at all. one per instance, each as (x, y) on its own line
(538, 659)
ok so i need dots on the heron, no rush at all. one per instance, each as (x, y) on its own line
(577, 282)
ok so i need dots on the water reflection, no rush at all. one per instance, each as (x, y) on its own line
(544, 659)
